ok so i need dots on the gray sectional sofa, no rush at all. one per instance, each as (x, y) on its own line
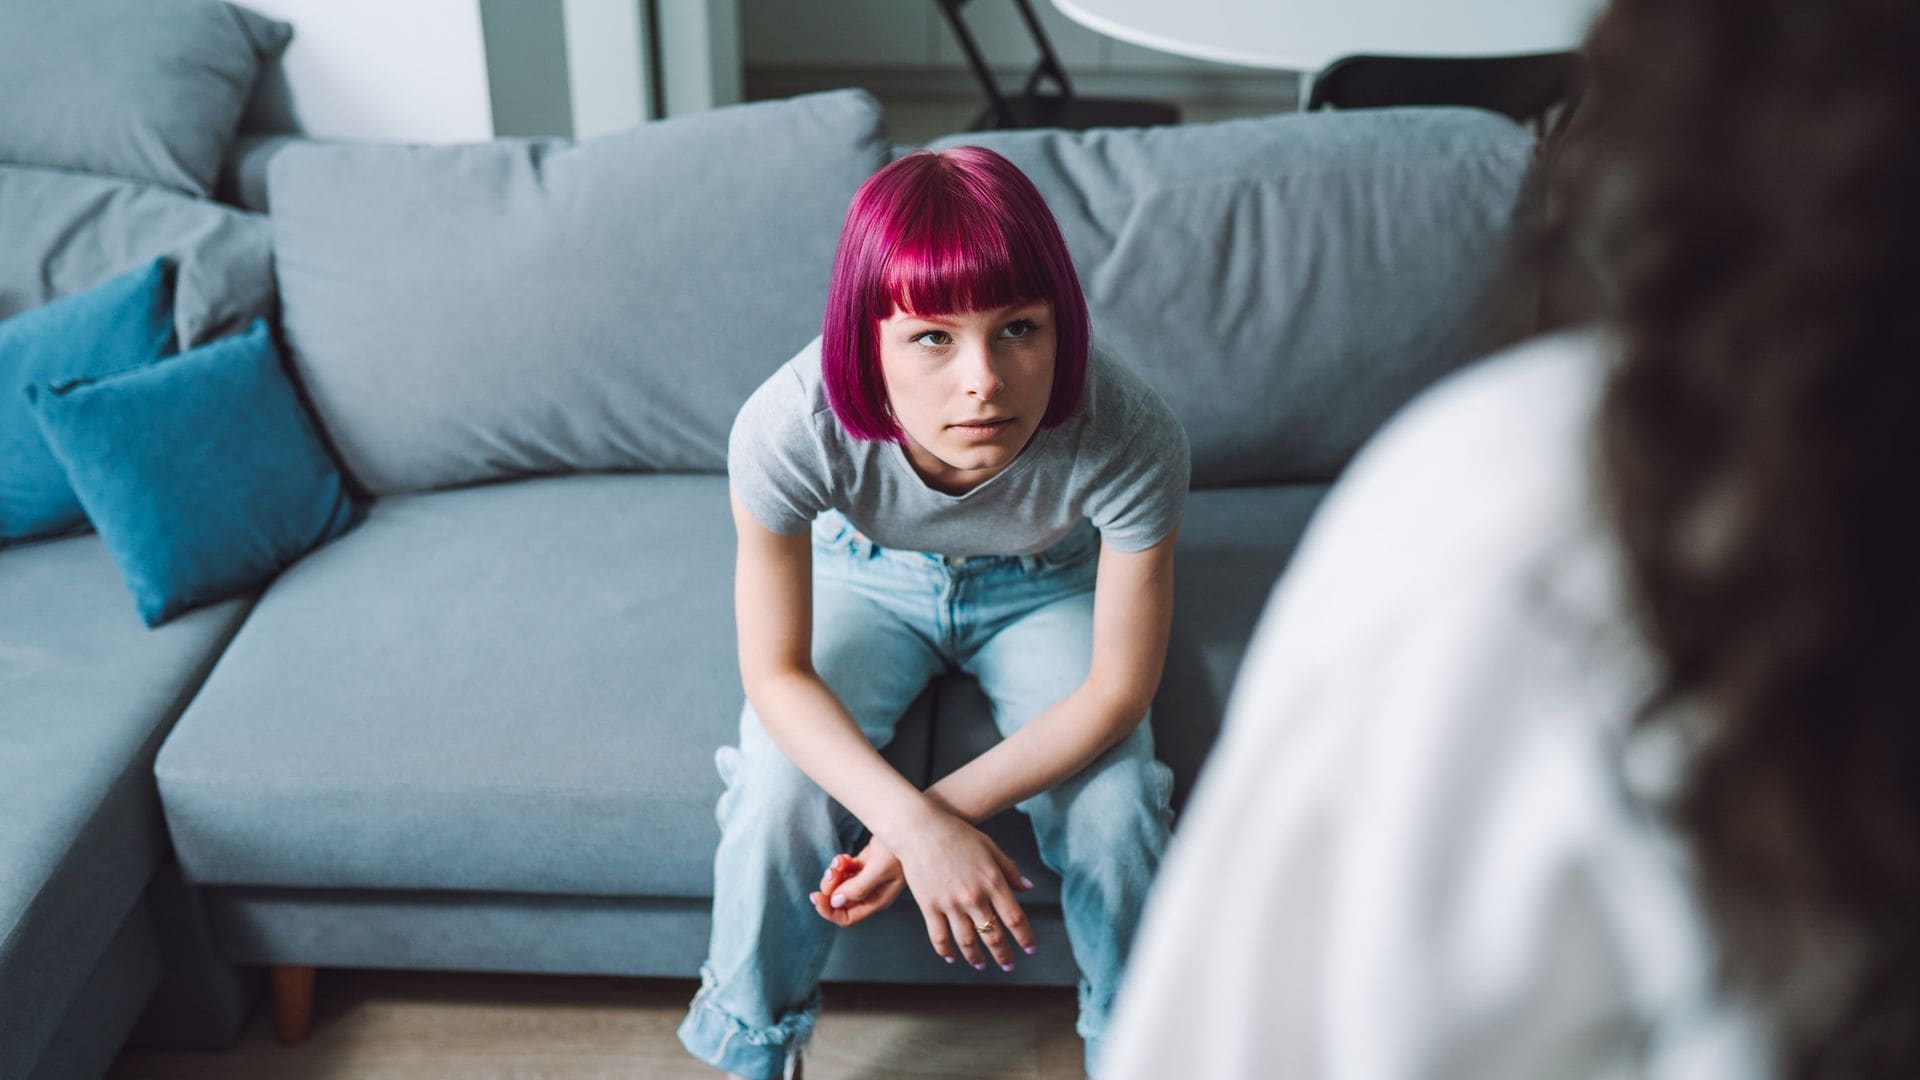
(478, 732)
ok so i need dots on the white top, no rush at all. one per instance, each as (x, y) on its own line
(1307, 35)
(1422, 845)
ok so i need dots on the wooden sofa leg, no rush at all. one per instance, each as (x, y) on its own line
(292, 1003)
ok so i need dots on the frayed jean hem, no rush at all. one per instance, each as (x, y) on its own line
(1089, 1029)
(726, 1043)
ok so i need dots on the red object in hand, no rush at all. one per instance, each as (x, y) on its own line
(839, 870)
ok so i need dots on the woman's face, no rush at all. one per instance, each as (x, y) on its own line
(968, 389)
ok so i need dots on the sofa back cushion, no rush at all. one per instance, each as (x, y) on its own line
(144, 89)
(120, 325)
(1284, 282)
(66, 232)
(203, 474)
(470, 312)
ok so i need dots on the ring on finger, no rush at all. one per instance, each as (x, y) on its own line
(987, 927)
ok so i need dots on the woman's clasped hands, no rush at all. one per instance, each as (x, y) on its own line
(962, 881)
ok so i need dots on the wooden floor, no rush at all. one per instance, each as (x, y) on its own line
(390, 1025)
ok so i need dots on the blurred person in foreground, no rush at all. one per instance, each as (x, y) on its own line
(1583, 737)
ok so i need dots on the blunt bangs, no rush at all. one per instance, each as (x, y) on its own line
(938, 234)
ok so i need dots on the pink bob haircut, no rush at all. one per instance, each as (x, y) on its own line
(938, 234)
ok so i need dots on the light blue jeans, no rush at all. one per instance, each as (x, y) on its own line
(886, 622)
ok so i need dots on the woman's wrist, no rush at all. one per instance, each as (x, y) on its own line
(880, 853)
(901, 832)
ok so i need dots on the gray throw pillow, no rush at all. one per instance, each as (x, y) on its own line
(145, 89)
(470, 312)
(67, 232)
(1285, 282)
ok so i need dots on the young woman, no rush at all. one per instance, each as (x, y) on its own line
(949, 479)
(1616, 772)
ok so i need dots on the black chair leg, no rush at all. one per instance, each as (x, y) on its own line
(1036, 107)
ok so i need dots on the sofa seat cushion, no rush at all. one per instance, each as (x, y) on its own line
(515, 687)
(1233, 544)
(86, 695)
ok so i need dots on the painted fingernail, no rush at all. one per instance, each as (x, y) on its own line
(948, 959)
(1031, 949)
(981, 966)
(1025, 884)
(1006, 967)
(839, 901)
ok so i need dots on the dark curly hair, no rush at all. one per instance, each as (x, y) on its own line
(1743, 182)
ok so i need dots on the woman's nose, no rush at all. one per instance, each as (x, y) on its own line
(983, 379)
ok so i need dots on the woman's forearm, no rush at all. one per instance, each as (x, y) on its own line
(773, 612)
(1051, 747)
(814, 729)
(1132, 614)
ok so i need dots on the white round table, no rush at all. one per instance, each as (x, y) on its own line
(1307, 35)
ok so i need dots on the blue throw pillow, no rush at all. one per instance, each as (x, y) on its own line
(125, 323)
(204, 475)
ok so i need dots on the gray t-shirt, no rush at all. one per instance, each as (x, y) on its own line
(1120, 461)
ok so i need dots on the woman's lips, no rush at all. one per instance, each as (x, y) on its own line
(983, 429)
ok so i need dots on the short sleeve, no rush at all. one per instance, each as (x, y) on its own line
(1141, 487)
(775, 464)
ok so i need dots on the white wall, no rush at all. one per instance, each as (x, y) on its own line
(413, 71)
(440, 71)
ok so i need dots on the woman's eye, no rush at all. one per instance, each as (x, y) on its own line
(931, 338)
(1018, 328)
